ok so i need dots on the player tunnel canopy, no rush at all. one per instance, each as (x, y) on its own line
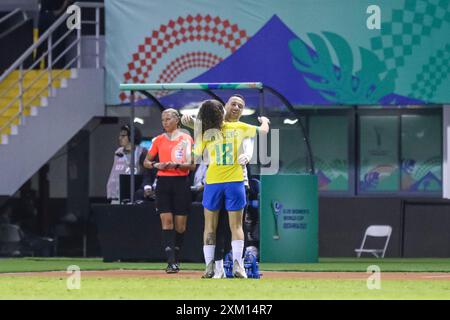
(190, 95)
(190, 86)
(187, 97)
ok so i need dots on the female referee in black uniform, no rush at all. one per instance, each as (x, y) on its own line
(173, 195)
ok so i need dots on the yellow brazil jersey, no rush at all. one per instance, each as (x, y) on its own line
(222, 148)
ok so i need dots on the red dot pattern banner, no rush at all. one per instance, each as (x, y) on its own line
(176, 32)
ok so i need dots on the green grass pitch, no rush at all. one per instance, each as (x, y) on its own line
(179, 287)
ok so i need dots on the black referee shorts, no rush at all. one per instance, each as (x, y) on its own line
(173, 194)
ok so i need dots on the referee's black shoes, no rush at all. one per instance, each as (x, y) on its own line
(172, 268)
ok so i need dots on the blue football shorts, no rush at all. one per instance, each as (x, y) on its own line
(228, 195)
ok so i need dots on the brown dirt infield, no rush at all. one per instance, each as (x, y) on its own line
(265, 275)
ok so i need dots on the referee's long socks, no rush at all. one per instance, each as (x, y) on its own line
(238, 250)
(168, 237)
(179, 239)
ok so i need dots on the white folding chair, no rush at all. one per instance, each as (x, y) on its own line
(375, 231)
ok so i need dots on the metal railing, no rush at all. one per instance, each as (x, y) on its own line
(47, 38)
(12, 14)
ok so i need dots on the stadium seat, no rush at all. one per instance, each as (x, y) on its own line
(10, 239)
(375, 231)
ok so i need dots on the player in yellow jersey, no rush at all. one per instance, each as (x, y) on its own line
(220, 142)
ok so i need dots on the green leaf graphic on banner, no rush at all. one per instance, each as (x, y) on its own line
(336, 172)
(333, 169)
(432, 76)
(432, 165)
(339, 84)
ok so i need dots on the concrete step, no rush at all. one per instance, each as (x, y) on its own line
(33, 74)
(12, 94)
(6, 92)
(33, 135)
(14, 107)
(12, 128)
(4, 138)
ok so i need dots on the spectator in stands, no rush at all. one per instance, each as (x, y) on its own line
(49, 12)
(25, 213)
(122, 161)
(5, 214)
(173, 195)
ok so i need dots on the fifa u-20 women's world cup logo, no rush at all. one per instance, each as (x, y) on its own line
(276, 210)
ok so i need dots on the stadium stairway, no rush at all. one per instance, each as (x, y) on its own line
(35, 96)
(48, 122)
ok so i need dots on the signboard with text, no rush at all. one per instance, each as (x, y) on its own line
(289, 218)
